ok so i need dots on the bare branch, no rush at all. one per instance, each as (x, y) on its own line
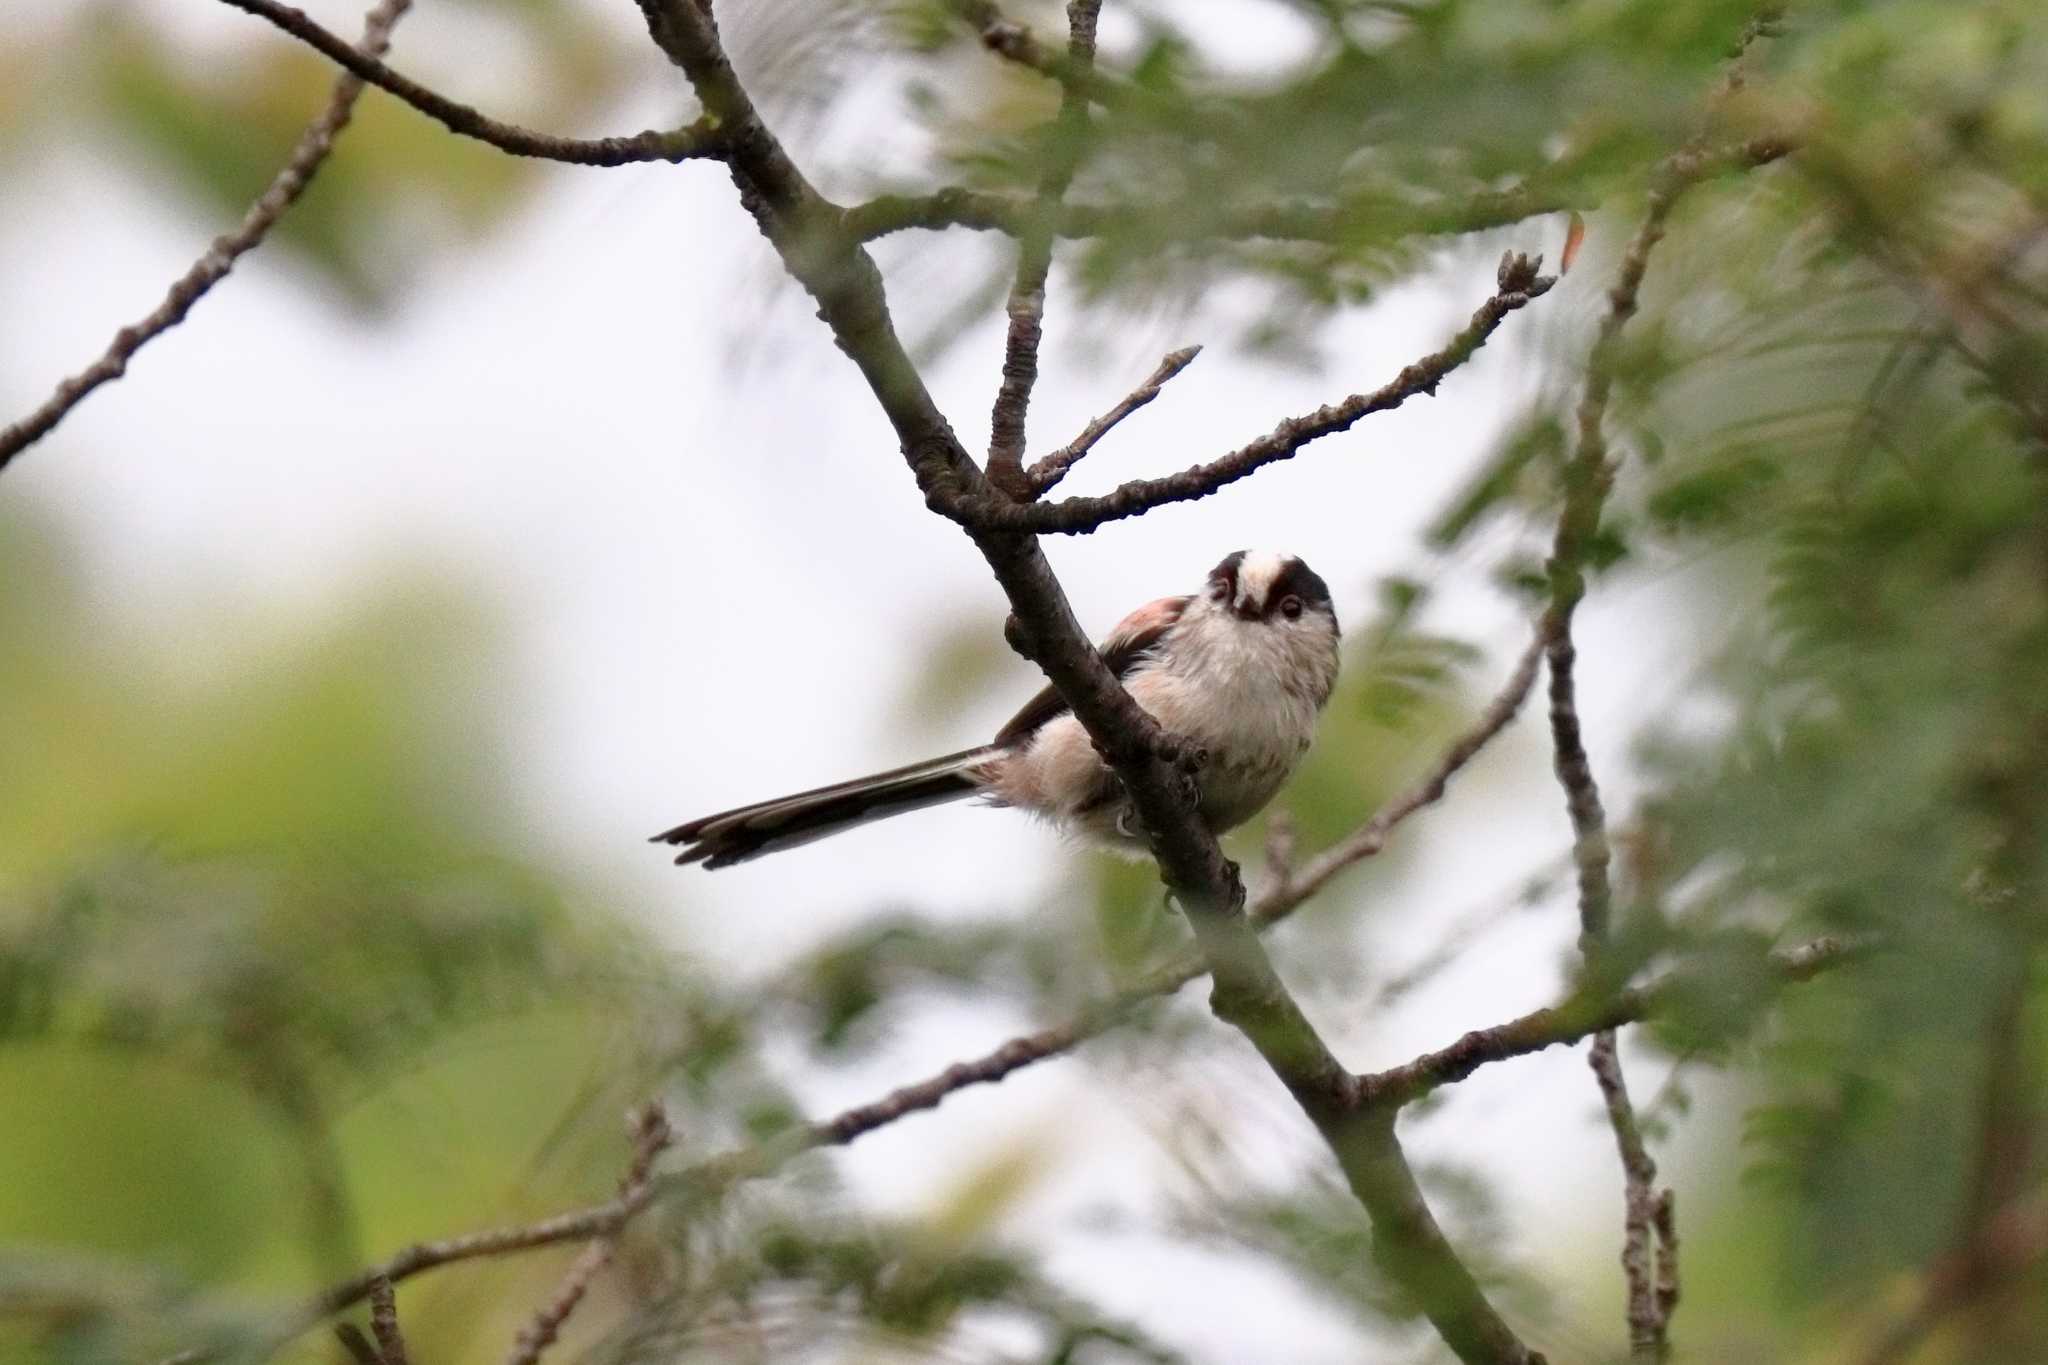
(651, 1134)
(1648, 1272)
(1371, 837)
(576, 1225)
(1026, 306)
(1584, 1013)
(384, 1323)
(1519, 284)
(282, 192)
(698, 139)
(1046, 473)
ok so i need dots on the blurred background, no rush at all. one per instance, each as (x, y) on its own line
(497, 514)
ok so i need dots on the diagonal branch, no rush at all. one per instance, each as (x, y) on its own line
(283, 191)
(1246, 991)
(384, 1324)
(1587, 1011)
(699, 139)
(1045, 474)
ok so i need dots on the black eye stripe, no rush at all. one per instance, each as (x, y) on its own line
(1299, 580)
(1223, 578)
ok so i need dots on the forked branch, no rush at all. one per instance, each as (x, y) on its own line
(1044, 475)
(1518, 285)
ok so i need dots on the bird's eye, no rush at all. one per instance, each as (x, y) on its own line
(1290, 606)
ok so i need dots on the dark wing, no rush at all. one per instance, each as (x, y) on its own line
(1133, 640)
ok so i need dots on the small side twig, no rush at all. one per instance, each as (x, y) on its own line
(384, 1323)
(1014, 42)
(1369, 838)
(651, 1135)
(655, 144)
(1046, 474)
(1586, 1012)
(283, 191)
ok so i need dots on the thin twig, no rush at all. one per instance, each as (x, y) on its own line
(1045, 474)
(384, 1323)
(1369, 838)
(283, 191)
(698, 139)
(1015, 42)
(651, 1134)
(1648, 1264)
(1026, 305)
(1584, 1013)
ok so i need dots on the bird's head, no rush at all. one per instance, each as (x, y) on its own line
(1262, 585)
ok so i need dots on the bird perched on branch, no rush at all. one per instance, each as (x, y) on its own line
(1239, 671)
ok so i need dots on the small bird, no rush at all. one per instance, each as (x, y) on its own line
(1240, 671)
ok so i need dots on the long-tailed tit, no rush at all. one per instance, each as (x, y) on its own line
(1240, 671)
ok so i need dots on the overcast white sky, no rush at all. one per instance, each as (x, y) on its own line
(721, 577)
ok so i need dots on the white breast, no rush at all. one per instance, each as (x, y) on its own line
(1246, 693)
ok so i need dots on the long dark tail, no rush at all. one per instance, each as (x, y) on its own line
(734, 836)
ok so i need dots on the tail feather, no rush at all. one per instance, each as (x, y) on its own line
(745, 832)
